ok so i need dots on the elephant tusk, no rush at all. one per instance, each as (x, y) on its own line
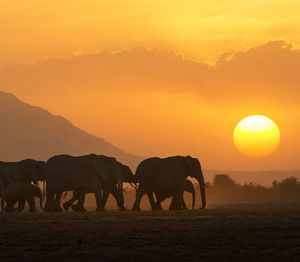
(133, 185)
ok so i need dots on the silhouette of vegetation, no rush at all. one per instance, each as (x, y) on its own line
(223, 181)
(224, 187)
(287, 185)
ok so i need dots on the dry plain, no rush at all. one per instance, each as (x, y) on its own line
(231, 231)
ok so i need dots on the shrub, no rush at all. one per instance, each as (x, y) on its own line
(223, 182)
(287, 185)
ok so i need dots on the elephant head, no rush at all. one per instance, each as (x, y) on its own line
(37, 193)
(128, 176)
(109, 170)
(35, 169)
(39, 165)
(195, 171)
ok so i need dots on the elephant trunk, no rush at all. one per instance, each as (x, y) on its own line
(41, 203)
(193, 194)
(44, 190)
(202, 190)
(39, 195)
(64, 194)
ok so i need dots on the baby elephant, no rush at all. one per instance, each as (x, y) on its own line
(161, 196)
(21, 192)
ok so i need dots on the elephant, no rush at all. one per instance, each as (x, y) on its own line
(164, 175)
(3, 184)
(86, 173)
(25, 171)
(117, 192)
(161, 196)
(22, 192)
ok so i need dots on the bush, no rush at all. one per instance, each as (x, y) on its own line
(287, 185)
(223, 181)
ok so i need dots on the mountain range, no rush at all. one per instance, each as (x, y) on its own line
(32, 132)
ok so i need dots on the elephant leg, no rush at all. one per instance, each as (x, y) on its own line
(158, 206)
(177, 200)
(21, 205)
(79, 207)
(69, 203)
(98, 196)
(31, 204)
(183, 204)
(81, 200)
(10, 206)
(104, 198)
(159, 199)
(57, 207)
(119, 196)
(136, 205)
(152, 202)
(172, 204)
(49, 202)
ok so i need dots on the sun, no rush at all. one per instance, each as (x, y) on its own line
(256, 136)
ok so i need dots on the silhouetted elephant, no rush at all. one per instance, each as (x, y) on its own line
(164, 175)
(22, 192)
(81, 174)
(25, 171)
(117, 192)
(161, 196)
(3, 184)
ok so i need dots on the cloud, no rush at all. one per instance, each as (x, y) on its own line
(261, 74)
(266, 72)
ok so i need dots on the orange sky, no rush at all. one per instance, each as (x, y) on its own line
(152, 102)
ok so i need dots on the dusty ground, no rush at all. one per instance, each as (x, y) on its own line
(236, 232)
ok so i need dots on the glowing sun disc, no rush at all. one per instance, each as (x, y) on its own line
(256, 136)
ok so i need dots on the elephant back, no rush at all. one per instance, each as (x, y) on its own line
(64, 173)
(161, 174)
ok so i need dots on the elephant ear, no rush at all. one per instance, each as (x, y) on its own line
(188, 162)
(127, 174)
(101, 169)
(34, 171)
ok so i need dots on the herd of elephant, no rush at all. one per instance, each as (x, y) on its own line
(101, 175)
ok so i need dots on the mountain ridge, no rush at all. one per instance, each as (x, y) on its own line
(33, 132)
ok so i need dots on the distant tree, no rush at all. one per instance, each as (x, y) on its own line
(223, 181)
(253, 187)
(287, 185)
